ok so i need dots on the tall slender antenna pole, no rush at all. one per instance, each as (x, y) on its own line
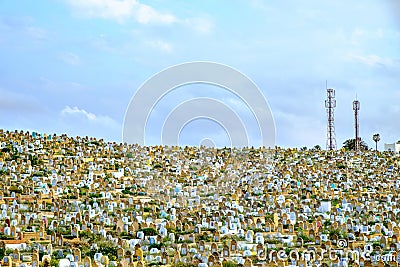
(330, 104)
(356, 108)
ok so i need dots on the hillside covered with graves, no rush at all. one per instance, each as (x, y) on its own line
(81, 201)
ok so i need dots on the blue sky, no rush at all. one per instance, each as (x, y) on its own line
(72, 66)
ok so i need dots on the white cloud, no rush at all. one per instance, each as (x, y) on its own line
(161, 45)
(120, 10)
(70, 58)
(145, 14)
(374, 60)
(76, 112)
(78, 121)
(361, 36)
(202, 25)
(36, 32)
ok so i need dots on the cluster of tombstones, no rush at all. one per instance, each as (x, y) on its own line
(86, 202)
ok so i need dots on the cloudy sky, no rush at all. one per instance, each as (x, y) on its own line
(72, 66)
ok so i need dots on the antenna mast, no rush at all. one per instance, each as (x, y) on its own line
(330, 104)
(356, 108)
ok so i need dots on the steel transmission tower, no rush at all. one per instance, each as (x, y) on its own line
(330, 104)
(356, 108)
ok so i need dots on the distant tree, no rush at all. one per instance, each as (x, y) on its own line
(350, 144)
(376, 138)
(317, 147)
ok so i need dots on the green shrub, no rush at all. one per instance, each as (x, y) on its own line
(229, 264)
(148, 231)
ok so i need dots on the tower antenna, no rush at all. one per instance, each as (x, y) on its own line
(356, 108)
(330, 104)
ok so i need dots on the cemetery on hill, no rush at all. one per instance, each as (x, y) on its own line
(81, 201)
